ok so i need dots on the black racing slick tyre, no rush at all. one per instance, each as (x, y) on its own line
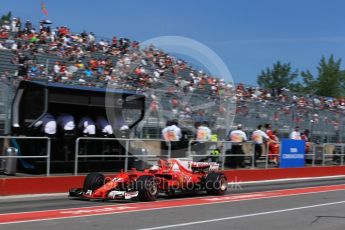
(216, 183)
(93, 181)
(147, 188)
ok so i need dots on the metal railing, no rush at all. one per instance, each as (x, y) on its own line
(319, 153)
(333, 150)
(47, 156)
(126, 147)
(224, 145)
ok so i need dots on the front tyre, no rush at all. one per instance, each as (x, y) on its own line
(93, 181)
(147, 188)
(216, 183)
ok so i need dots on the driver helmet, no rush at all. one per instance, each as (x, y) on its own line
(154, 167)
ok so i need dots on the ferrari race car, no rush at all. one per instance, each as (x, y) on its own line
(168, 177)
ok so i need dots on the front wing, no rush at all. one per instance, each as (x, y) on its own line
(112, 195)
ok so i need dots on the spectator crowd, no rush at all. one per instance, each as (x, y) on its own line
(59, 55)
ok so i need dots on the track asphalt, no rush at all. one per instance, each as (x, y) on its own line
(283, 205)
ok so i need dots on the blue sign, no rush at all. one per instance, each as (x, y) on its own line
(292, 153)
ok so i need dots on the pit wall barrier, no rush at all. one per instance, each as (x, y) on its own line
(61, 184)
(58, 184)
(324, 154)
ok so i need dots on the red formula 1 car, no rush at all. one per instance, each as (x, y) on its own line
(169, 177)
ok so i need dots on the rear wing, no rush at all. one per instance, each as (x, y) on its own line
(212, 166)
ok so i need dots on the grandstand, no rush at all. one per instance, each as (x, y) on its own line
(174, 86)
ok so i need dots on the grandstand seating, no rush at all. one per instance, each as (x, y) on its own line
(3, 107)
(250, 111)
(6, 65)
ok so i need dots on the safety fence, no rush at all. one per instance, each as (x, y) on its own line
(126, 143)
(149, 150)
(221, 151)
(46, 156)
(333, 152)
(6, 96)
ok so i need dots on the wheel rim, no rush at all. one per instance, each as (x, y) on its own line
(153, 189)
(224, 185)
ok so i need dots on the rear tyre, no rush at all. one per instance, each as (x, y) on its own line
(147, 188)
(216, 183)
(93, 181)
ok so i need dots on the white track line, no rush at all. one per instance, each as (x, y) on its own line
(33, 196)
(152, 209)
(286, 180)
(242, 216)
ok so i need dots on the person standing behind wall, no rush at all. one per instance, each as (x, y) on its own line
(104, 127)
(47, 125)
(258, 137)
(305, 138)
(172, 132)
(295, 134)
(274, 148)
(87, 128)
(203, 136)
(172, 135)
(269, 132)
(237, 136)
(66, 123)
(66, 126)
(203, 132)
(105, 130)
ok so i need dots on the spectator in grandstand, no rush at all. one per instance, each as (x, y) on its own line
(104, 127)
(22, 70)
(56, 67)
(237, 136)
(28, 26)
(20, 58)
(47, 125)
(200, 116)
(34, 71)
(258, 137)
(295, 134)
(151, 66)
(14, 25)
(88, 72)
(4, 33)
(154, 105)
(2, 47)
(87, 126)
